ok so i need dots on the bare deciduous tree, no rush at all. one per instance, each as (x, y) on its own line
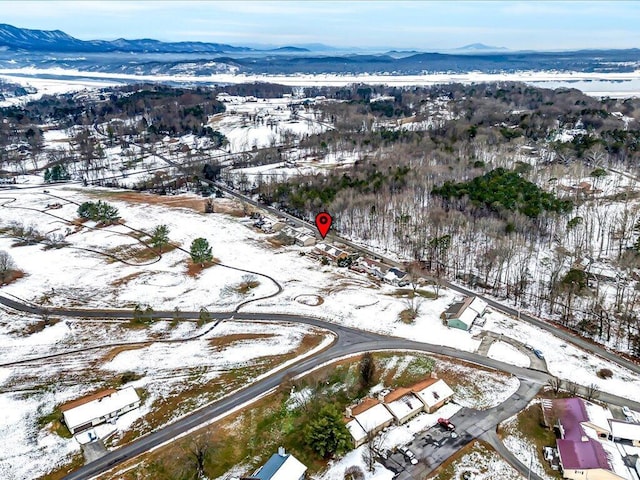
(6, 266)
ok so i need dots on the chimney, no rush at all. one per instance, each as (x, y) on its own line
(281, 452)
(434, 374)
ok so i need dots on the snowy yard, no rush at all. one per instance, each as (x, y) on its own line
(482, 463)
(507, 353)
(30, 392)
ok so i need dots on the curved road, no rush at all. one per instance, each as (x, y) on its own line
(558, 332)
(348, 341)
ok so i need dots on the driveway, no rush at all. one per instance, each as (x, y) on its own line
(435, 445)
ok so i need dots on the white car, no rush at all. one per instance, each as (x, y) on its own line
(409, 454)
(626, 411)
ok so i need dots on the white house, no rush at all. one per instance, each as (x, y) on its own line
(433, 393)
(369, 417)
(99, 408)
(281, 466)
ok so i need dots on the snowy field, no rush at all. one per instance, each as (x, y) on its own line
(597, 83)
(566, 361)
(76, 277)
(507, 353)
(29, 392)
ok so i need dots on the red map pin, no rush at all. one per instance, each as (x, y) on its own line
(323, 222)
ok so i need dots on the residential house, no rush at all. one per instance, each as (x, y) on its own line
(369, 417)
(403, 404)
(433, 393)
(302, 237)
(583, 448)
(105, 406)
(281, 466)
(396, 277)
(462, 314)
(372, 267)
(330, 252)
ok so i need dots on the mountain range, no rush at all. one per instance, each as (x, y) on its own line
(49, 49)
(58, 41)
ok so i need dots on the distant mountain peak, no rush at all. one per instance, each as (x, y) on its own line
(480, 47)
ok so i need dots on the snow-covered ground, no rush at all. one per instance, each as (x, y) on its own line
(566, 361)
(596, 83)
(524, 450)
(49, 86)
(29, 392)
(77, 277)
(482, 463)
(355, 458)
(507, 353)
(348, 298)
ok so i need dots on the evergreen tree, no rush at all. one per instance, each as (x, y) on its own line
(327, 434)
(201, 251)
(160, 237)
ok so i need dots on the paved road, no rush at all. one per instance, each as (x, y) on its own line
(348, 341)
(433, 447)
(569, 337)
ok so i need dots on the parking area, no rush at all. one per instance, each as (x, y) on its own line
(431, 448)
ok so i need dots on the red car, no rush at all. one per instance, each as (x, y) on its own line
(446, 424)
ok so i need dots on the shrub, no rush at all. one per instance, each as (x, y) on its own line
(604, 373)
(353, 473)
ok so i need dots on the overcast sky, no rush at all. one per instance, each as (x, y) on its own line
(422, 25)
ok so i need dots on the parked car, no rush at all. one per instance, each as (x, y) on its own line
(538, 354)
(627, 411)
(409, 454)
(548, 454)
(446, 424)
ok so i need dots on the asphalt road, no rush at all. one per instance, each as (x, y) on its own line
(560, 333)
(434, 446)
(348, 341)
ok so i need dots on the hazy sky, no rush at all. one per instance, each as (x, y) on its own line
(401, 24)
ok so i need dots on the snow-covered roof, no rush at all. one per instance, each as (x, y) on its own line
(367, 417)
(85, 413)
(478, 305)
(625, 430)
(468, 316)
(356, 431)
(598, 416)
(435, 393)
(374, 417)
(281, 467)
(405, 405)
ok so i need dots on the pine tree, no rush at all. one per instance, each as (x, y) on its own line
(201, 251)
(160, 237)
